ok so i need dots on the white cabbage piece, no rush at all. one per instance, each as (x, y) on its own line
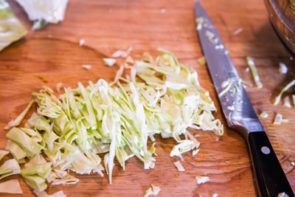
(11, 28)
(17, 152)
(109, 61)
(283, 68)
(287, 102)
(51, 11)
(86, 163)
(182, 147)
(28, 144)
(202, 179)
(11, 187)
(278, 119)
(179, 166)
(153, 190)
(122, 53)
(8, 168)
(215, 195)
(87, 66)
(263, 114)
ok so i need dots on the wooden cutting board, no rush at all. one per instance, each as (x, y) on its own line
(53, 55)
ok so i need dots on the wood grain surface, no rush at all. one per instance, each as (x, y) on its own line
(53, 55)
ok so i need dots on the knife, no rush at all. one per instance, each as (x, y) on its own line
(270, 179)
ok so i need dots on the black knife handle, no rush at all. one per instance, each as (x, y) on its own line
(270, 178)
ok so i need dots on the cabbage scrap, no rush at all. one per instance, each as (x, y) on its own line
(287, 102)
(152, 191)
(238, 31)
(263, 114)
(179, 166)
(253, 69)
(11, 187)
(69, 132)
(202, 179)
(278, 119)
(278, 98)
(283, 69)
(215, 195)
(109, 61)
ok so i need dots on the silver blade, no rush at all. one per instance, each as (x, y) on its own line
(236, 107)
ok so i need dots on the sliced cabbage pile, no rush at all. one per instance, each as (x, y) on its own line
(85, 129)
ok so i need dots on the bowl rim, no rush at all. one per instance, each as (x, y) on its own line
(281, 15)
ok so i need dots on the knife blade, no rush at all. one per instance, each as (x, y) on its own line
(270, 179)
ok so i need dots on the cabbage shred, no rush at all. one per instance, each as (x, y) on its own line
(85, 129)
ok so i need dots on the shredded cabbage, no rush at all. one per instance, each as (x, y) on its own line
(278, 98)
(69, 132)
(253, 69)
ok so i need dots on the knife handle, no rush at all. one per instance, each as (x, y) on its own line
(270, 178)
